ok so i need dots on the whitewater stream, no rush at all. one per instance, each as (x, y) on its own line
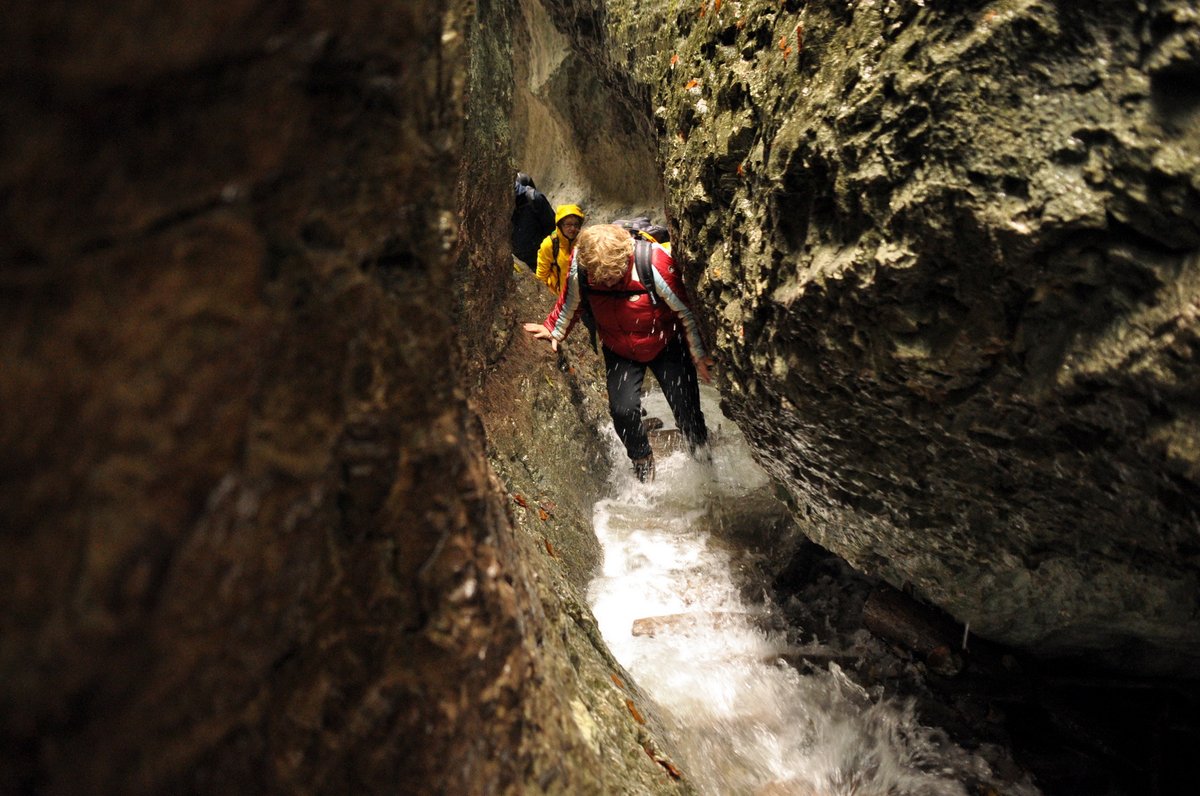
(743, 720)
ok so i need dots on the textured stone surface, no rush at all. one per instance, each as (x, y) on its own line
(581, 130)
(948, 254)
(542, 413)
(249, 537)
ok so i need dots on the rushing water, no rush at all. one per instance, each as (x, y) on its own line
(744, 721)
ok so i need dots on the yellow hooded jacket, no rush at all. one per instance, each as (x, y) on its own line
(554, 277)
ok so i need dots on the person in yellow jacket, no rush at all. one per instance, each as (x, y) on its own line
(554, 255)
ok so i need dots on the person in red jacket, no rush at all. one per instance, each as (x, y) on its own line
(638, 331)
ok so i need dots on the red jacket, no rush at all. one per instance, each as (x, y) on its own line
(630, 325)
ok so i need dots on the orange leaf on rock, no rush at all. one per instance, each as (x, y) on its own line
(520, 499)
(542, 514)
(634, 712)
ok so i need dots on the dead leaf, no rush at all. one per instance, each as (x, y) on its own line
(616, 681)
(691, 84)
(542, 515)
(662, 761)
(549, 548)
(520, 500)
(634, 712)
(674, 59)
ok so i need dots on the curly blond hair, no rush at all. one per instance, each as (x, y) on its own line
(604, 250)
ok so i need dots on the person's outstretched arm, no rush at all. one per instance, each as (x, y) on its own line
(559, 322)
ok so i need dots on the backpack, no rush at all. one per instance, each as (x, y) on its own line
(641, 228)
(643, 261)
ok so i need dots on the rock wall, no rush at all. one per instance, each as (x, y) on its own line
(948, 256)
(581, 131)
(250, 540)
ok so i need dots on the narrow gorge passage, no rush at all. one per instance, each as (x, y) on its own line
(290, 505)
(683, 605)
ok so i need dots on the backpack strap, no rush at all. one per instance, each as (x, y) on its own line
(643, 260)
(554, 258)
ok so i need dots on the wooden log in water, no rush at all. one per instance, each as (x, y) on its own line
(818, 655)
(895, 617)
(682, 623)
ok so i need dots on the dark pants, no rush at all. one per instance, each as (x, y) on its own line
(676, 375)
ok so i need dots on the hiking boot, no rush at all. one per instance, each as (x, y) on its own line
(644, 468)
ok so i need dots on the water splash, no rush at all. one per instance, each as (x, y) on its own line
(744, 721)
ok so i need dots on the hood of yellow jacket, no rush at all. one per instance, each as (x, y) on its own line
(562, 211)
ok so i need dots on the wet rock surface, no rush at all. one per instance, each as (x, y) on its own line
(250, 539)
(1059, 725)
(947, 254)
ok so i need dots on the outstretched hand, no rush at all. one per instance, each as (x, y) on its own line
(542, 333)
(702, 366)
